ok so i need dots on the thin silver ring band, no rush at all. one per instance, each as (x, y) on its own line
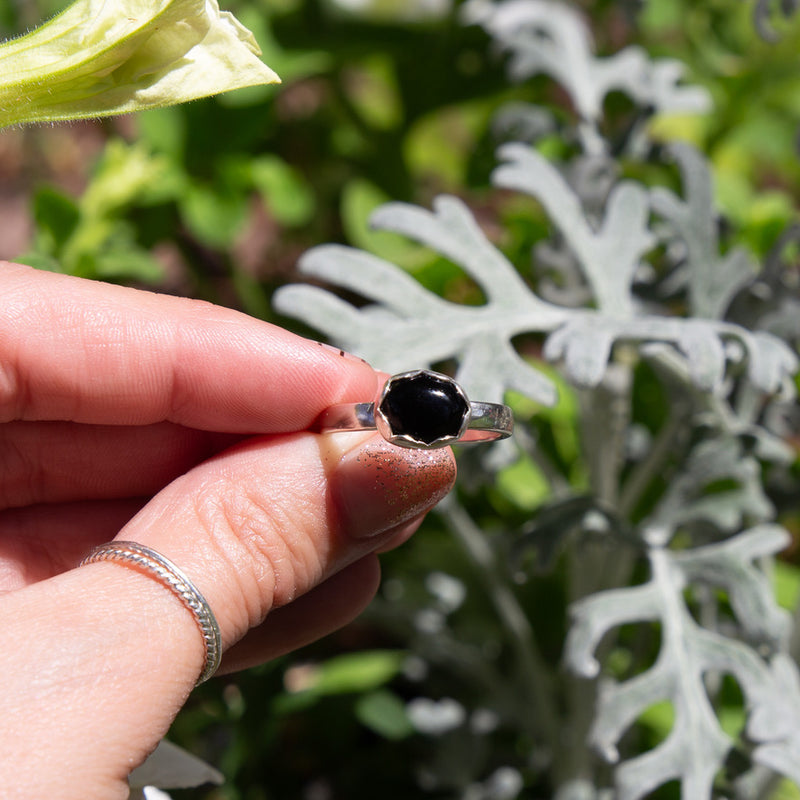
(487, 421)
(163, 570)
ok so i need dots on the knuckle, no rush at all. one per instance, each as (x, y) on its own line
(264, 544)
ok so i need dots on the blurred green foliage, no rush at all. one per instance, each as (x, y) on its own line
(388, 105)
(218, 198)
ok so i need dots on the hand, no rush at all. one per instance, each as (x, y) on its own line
(182, 426)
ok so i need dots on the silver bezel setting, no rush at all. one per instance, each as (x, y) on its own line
(384, 427)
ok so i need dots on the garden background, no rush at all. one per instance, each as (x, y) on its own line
(457, 683)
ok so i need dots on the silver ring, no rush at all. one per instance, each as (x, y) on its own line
(424, 410)
(161, 568)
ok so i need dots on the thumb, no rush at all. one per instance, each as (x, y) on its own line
(105, 655)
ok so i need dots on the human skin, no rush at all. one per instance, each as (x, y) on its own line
(184, 427)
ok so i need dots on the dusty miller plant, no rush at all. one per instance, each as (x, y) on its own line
(675, 534)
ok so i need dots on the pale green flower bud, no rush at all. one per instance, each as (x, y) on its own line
(103, 57)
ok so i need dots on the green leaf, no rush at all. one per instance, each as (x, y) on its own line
(372, 89)
(213, 216)
(786, 790)
(97, 58)
(127, 173)
(360, 199)
(358, 672)
(660, 717)
(787, 585)
(384, 713)
(164, 129)
(284, 190)
(439, 146)
(524, 484)
(291, 63)
(128, 264)
(57, 216)
(364, 671)
(40, 261)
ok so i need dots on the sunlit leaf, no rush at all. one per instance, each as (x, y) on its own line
(98, 58)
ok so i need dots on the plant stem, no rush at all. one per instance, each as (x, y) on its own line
(536, 677)
(652, 466)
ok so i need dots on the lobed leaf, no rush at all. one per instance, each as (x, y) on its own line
(542, 36)
(608, 255)
(407, 326)
(713, 279)
(730, 565)
(585, 343)
(696, 747)
(773, 723)
(692, 496)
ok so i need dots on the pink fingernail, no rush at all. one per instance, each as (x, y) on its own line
(378, 486)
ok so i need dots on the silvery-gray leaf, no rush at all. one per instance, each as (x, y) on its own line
(148, 793)
(775, 718)
(592, 178)
(609, 255)
(371, 277)
(407, 326)
(594, 616)
(451, 230)
(782, 757)
(578, 789)
(542, 36)
(771, 301)
(664, 91)
(450, 592)
(696, 747)
(435, 717)
(784, 321)
(560, 278)
(713, 279)
(772, 364)
(171, 767)
(545, 37)
(730, 565)
(693, 752)
(771, 443)
(779, 275)
(763, 13)
(711, 462)
(705, 353)
(522, 122)
(505, 783)
(773, 724)
(584, 343)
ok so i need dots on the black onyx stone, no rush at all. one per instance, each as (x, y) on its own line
(424, 407)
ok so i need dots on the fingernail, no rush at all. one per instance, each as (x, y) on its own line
(377, 486)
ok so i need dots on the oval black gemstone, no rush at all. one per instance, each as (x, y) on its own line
(424, 407)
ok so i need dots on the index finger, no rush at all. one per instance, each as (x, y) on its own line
(85, 351)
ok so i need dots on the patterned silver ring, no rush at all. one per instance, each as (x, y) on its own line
(136, 555)
(424, 410)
